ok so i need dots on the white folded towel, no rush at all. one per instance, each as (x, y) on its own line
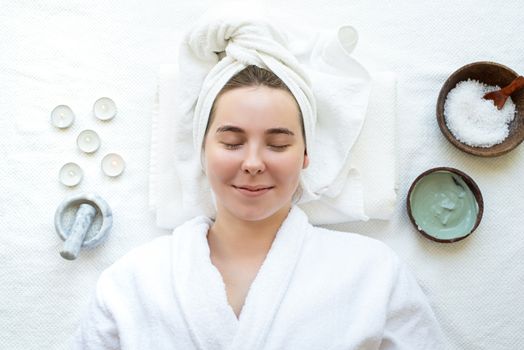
(372, 175)
(332, 90)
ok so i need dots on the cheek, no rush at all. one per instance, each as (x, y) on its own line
(220, 165)
(288, 168)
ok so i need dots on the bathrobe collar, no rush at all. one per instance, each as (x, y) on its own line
(201, 293)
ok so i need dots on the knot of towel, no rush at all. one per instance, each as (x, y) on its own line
(331, 88)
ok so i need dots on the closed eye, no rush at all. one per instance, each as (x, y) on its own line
(279, 147)
(231, 145)
(238, 145)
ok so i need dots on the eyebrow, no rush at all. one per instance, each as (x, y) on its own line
(271, 131)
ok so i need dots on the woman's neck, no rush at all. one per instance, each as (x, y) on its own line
(231, 238)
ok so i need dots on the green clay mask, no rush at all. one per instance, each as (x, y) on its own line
(444, 206)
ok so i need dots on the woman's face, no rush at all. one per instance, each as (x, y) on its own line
(254, 152)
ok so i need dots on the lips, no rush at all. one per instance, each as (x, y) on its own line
(253, 191)
(253, 188)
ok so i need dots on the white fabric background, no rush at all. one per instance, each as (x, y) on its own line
(73, 52)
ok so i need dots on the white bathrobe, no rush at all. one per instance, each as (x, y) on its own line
(317, 289)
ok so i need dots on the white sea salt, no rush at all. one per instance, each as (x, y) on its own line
(474, 120)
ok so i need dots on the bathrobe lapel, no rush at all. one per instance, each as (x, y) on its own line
(201, 292)
(199, 288)
(271, 283)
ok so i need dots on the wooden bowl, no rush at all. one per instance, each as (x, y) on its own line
(492, 74)
(475, 190)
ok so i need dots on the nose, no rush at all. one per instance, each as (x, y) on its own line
(253, 163)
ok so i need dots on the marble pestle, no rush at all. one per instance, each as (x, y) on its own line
(83, 220)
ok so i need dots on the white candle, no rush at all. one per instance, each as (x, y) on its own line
(104, 108)
(88, 141)
(113, 164)
(62, 116)
(70, 174)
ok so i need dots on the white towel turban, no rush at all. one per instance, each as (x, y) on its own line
(331, 88)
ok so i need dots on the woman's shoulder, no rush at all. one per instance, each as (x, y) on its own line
(346, 238)
(349, 245)
(345, 260)
(149, 256)
(141, 273)
(154, 256)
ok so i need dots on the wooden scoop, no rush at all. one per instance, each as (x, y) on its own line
(499, 97)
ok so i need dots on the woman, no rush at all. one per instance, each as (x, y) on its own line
(258, 276)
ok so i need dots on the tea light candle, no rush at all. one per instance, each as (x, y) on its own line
(113, 165)
(70, 174)
(88, 141)
(104, 108)
(62, 116)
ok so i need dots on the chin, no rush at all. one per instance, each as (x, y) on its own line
(255, 213)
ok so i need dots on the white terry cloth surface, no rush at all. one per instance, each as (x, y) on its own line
(332, 90)
(167, 294)
(74, 52)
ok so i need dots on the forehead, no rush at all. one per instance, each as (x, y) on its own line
(257, 107)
